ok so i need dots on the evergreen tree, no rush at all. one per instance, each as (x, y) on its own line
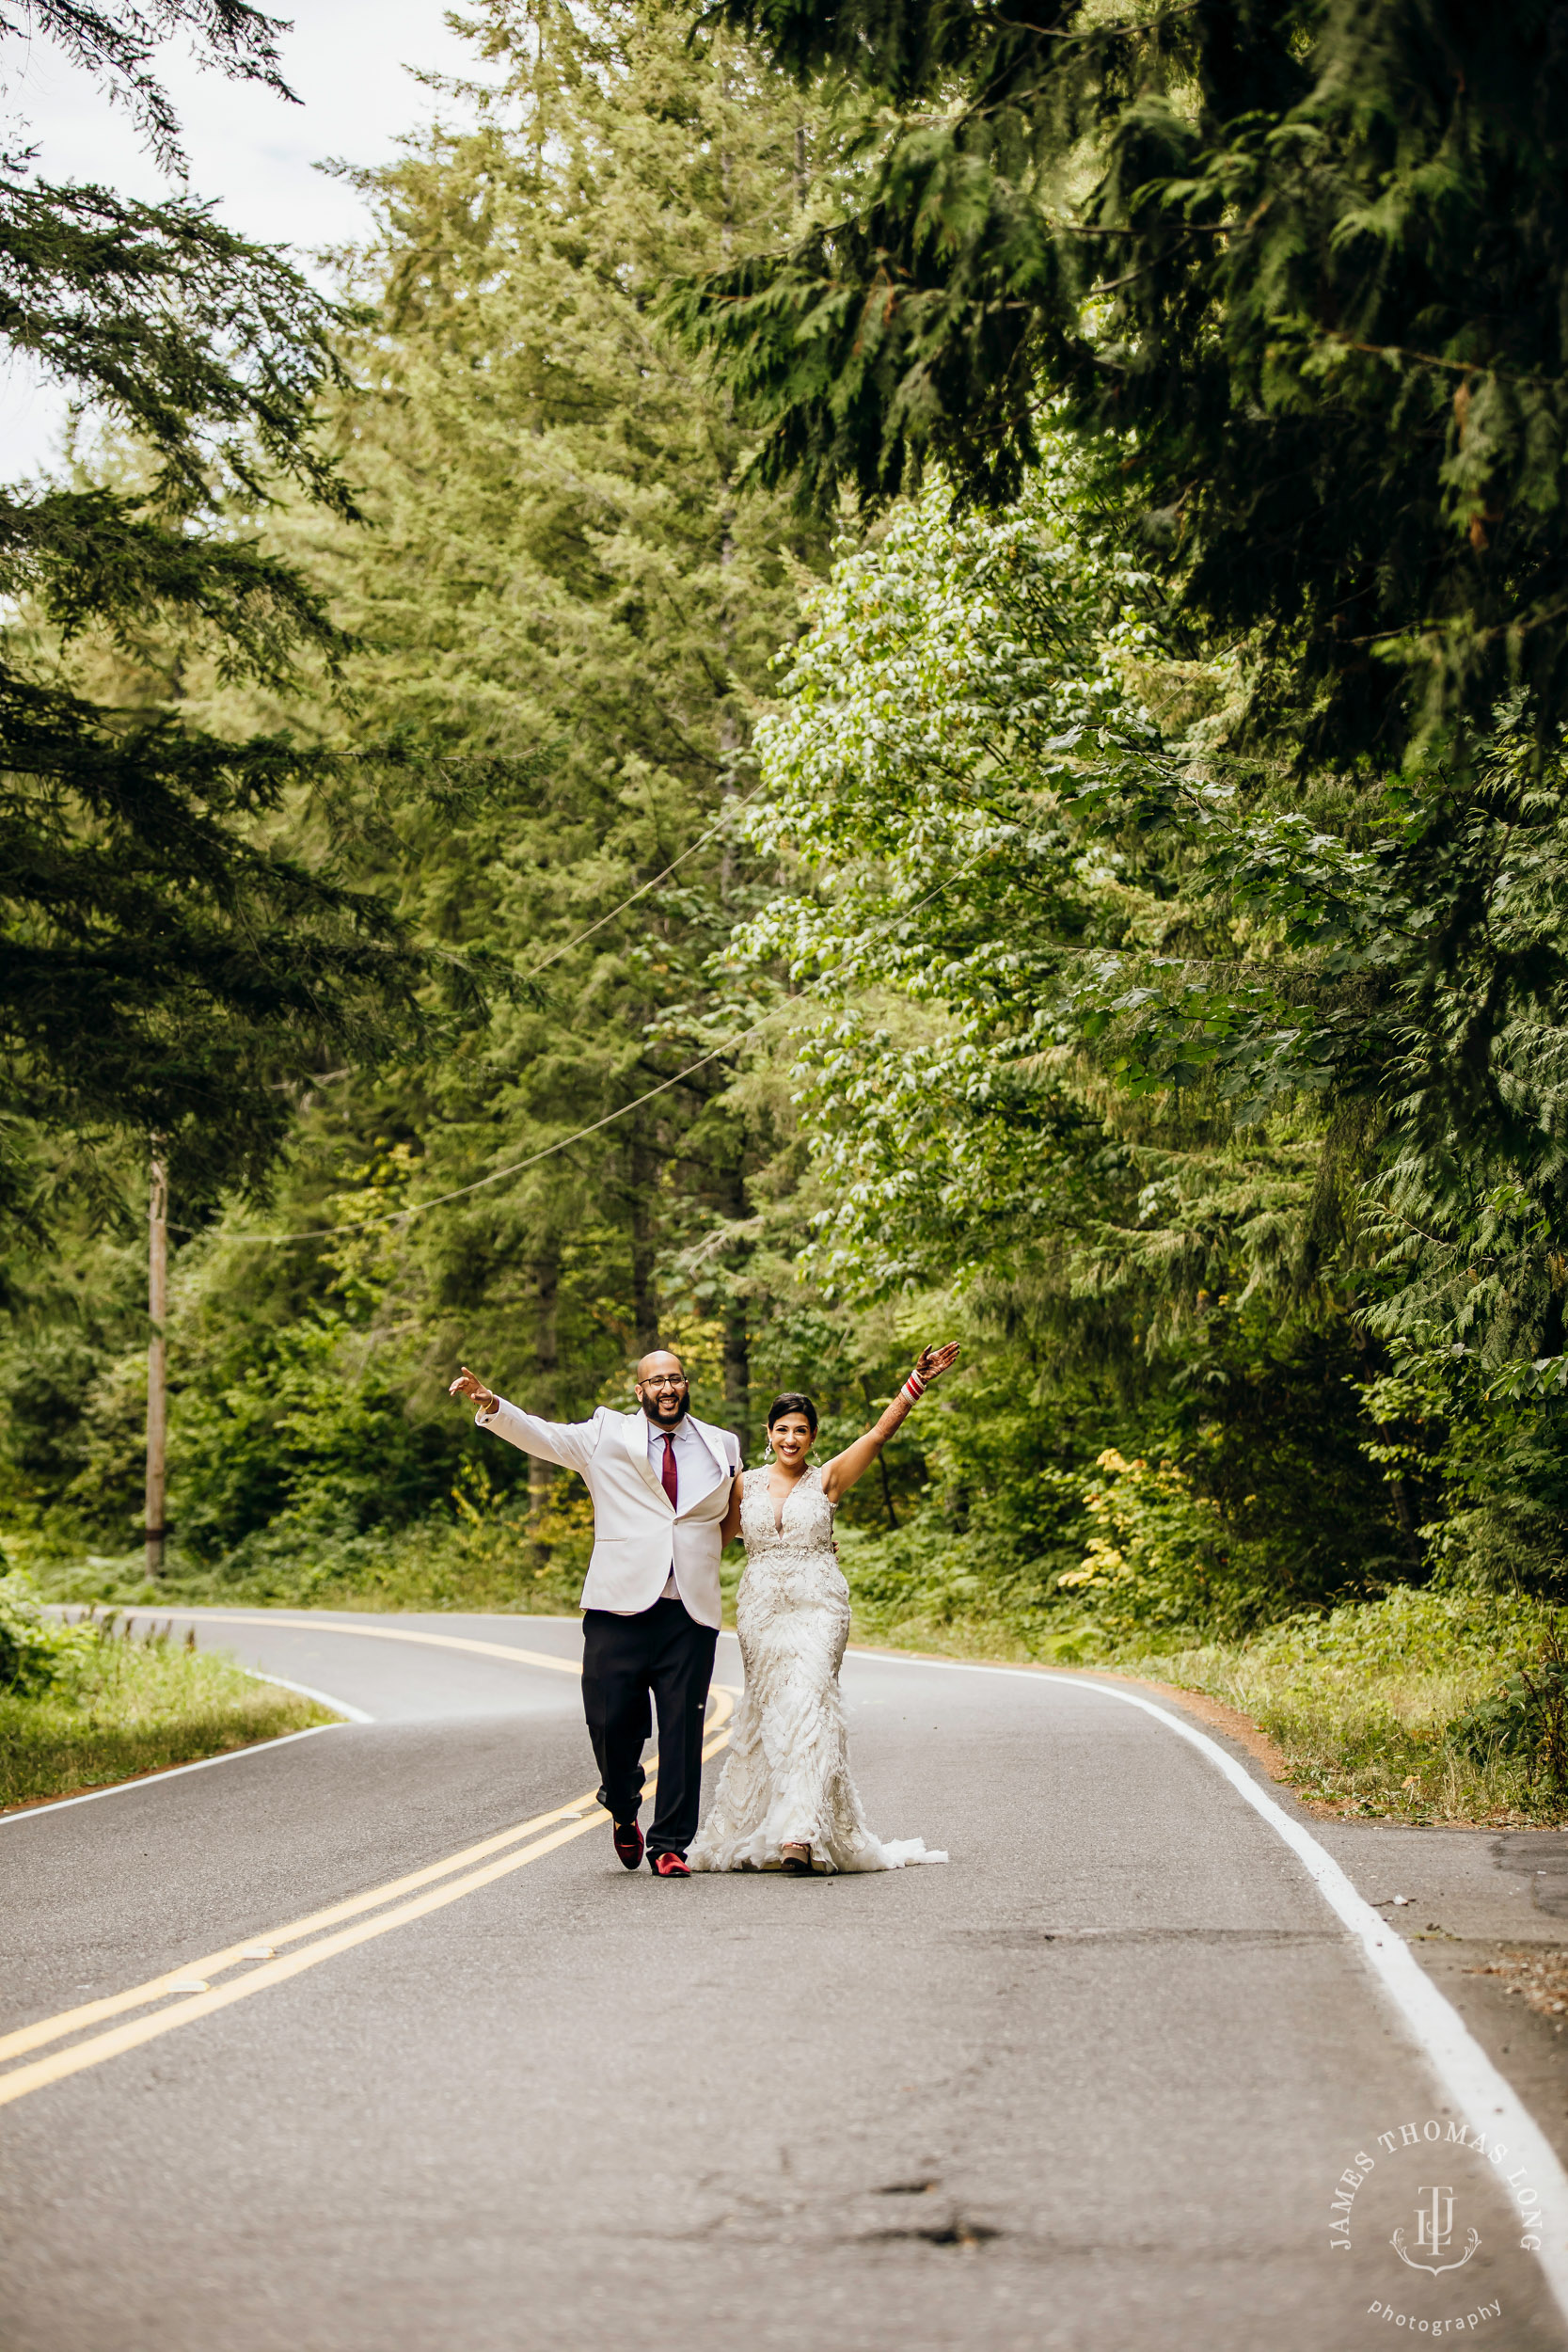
(165, 961)
(1316, 290)
(562, 571)
(564, 609)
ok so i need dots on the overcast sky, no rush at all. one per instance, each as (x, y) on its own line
(249, 151)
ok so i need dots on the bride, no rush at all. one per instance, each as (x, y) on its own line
(785, 1799)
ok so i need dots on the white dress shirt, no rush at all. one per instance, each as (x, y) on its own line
(696, 1475)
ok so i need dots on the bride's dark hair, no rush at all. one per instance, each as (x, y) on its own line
(792, 1401)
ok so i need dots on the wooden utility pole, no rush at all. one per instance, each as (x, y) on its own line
(157, 1366)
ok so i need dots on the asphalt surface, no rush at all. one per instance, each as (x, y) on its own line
(1095, 2083)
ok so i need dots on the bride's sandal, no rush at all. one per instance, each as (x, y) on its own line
(795, 1860)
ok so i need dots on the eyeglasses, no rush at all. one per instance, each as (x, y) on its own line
(665, 1380)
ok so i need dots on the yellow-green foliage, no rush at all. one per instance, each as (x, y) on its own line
(1157, 1554)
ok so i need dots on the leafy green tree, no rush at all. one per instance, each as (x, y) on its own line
(970, 735)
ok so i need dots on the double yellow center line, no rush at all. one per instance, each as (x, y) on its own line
(183, 1995)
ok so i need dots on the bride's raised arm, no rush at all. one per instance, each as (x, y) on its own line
(840, 1474)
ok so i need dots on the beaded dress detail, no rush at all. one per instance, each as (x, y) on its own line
(787, 1779)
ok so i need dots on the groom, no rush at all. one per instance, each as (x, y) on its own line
(661, 1482)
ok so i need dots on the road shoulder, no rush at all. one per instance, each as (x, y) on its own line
(1485, 1911)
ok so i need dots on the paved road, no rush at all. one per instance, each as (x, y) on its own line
(1096, 2083)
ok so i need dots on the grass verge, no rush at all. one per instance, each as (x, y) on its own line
(1366, 1702)
(135, 1707)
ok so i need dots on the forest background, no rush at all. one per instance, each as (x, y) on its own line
(914, 686)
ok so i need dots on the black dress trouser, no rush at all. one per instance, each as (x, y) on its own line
(664, 1655)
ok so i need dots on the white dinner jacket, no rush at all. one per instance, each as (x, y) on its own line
(638, 1538)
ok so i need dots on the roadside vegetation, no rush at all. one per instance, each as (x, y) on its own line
(1422, 1706)
(89, 1703)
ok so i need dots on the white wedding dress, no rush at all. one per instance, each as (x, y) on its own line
(787, 1779)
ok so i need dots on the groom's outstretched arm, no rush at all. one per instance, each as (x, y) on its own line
(569, 1443)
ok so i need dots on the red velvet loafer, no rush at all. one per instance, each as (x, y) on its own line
(668, 1865)
(628, 1843)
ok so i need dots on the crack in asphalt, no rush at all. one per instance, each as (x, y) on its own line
(1028, 1939)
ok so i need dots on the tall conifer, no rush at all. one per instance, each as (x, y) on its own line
(562, 574)
(165, 964)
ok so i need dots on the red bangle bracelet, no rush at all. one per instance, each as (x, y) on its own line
(914, 1388)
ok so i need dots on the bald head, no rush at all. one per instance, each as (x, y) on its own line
(661, 1388)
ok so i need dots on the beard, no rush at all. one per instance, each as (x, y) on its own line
(656, 1408)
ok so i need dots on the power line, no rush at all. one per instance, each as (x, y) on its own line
(459, 1192)
(554, 957)
(499, 1175)
(556, 953)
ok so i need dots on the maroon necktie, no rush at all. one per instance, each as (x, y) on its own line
(669, 1472)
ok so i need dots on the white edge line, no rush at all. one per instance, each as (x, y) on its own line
(1456, 2058)
(323, 1698)
(145, 1780)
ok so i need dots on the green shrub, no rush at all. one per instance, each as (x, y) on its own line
(1524, 1716)
(36, 1654)
(301, 1437)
